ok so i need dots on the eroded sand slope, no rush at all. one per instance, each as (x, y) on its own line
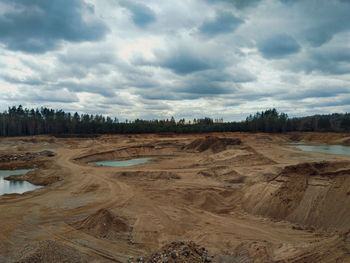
(242, 197)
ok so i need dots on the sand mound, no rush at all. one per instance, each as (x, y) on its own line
(346, 238)
(149, 175)
(345, 141)
(89, 188)
(127, 152)
(51, 251)
(223, 173)
(246, 160)
(103, 224)
(212, 200)
(218, 171)
(28, 156)
(37, 177)
(212, 143)
(295, 137)
(252, 251)
(184, 252)
(315, 194)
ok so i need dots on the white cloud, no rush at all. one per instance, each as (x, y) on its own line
(164, 58)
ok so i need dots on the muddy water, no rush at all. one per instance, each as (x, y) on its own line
(332, 149)
(124, 163)
(12, 187)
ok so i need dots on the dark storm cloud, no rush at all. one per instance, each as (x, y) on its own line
(290, 1)
(320, 91)
(221, 75)
(202, 88)
(87, 58)
(224, 79)
(336, 62)
(323, 92)
(40, 25)
(42, 95)
(239, 4)
(142, 15)
(322, 19)
(319, 35)
(24, 81)
(343, 101)
(199, 73)
(224, 22)
(185, 59)
(159, 94)
(210, 83)
(183, 62)
(105, 91)
(278, 46)
(245, 96)
(206, 84)
(332, 54)
(332, 59)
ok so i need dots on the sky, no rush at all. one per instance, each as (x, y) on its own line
(188, 59)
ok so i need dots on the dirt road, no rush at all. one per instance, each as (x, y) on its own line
(214, 192)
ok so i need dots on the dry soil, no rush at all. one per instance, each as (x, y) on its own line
(228, 197)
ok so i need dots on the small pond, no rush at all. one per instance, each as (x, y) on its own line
(332, 149)
(124, 163)
(15, 187)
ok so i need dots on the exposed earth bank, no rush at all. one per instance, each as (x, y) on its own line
(228, 197)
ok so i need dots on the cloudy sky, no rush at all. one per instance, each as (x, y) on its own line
(190, 58)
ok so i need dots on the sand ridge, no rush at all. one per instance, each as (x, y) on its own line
(253, 201)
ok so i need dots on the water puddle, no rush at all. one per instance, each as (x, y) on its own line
(15, 187)
(332, 149)
(124, 163)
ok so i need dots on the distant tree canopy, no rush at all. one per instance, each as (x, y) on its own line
(17, 121)
(267, 121)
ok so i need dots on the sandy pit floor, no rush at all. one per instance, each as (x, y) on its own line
(228, 197)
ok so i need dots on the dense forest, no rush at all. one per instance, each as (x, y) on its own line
(19, 121)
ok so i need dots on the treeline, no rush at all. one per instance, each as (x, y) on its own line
(17, 121)
(272, 121)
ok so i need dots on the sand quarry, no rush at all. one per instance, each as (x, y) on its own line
(229, 197)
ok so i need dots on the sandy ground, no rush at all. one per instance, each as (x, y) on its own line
(254, 201)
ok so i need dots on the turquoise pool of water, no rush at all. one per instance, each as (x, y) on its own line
(124, 163)
(12, 187)
(332, 149)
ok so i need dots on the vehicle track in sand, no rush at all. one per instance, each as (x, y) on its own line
(192, 207)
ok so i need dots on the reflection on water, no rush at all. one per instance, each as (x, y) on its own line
(125, 163)
(11, 187)
(333, 149)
